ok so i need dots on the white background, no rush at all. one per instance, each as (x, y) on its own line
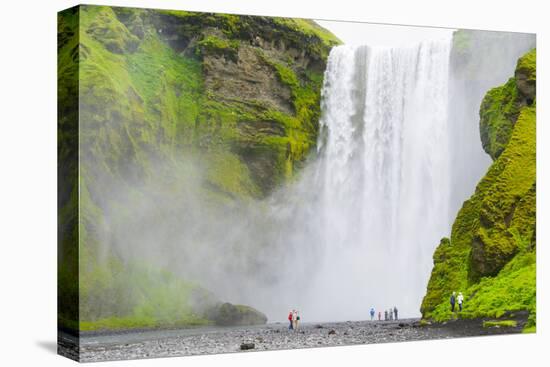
(28, 180)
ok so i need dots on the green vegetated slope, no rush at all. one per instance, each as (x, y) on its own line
(161, 93)
(67, 169)
(491, 255)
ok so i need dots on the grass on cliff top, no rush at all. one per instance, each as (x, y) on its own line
(229, 23)
(311, 28)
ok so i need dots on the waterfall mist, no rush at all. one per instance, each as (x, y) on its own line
(358, 227)
(489, 61)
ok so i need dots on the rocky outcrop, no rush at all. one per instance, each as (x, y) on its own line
(251, 69)
(526, 79)
(114, 36)
(227, 314)
(490, 256)
(501, 106)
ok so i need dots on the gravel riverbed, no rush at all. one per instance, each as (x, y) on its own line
(183, 342)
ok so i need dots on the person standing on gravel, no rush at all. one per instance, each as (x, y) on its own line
(460, 299)
(453, 298)
(379, 315)
(294, 318)
(297, 319)
(372, 313)
(395, 312)
(291, 326)
(385, 315)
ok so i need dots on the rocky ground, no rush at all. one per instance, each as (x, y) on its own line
(168, 343)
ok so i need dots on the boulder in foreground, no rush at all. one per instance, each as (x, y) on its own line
(228, 314)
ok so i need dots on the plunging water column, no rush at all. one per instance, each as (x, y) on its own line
(383, 176)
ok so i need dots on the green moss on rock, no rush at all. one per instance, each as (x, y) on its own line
(527, 65)
(218, 46)
(499, 111)
(507, 207)
(501, 105)
(501, 323)
(228, 314)
(526, 77)
(67, 168)
(106, 29)
(491, 255)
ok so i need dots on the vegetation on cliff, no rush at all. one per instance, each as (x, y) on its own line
(238, 95)
(491, 255)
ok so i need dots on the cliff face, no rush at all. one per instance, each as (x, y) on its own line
(162, 93)
(479, 61)
(241, 92)
(491, 254)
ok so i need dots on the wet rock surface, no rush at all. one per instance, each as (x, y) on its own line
(172, 343)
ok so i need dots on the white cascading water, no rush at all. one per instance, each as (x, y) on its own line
(383, 178)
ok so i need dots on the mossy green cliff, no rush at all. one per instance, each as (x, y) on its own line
(237, 95)
(491, 255)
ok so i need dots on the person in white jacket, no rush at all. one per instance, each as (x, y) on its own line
(459, 300)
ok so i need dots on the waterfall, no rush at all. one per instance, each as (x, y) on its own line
(358, 228)
(383, 176)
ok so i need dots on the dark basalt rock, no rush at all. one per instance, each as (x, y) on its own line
(227, 314)
(247, 346)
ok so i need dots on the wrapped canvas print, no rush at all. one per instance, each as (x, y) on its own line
(233, 183)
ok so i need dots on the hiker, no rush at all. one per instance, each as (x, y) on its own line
(290, 327)
(297, 320)
(390, 313)
(453, 298)
(294, 316)
(372, 313)
(460, 299)
(395, 312)
(385, 315)
(379, 315)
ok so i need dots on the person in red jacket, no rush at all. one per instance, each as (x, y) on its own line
(290, 327)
